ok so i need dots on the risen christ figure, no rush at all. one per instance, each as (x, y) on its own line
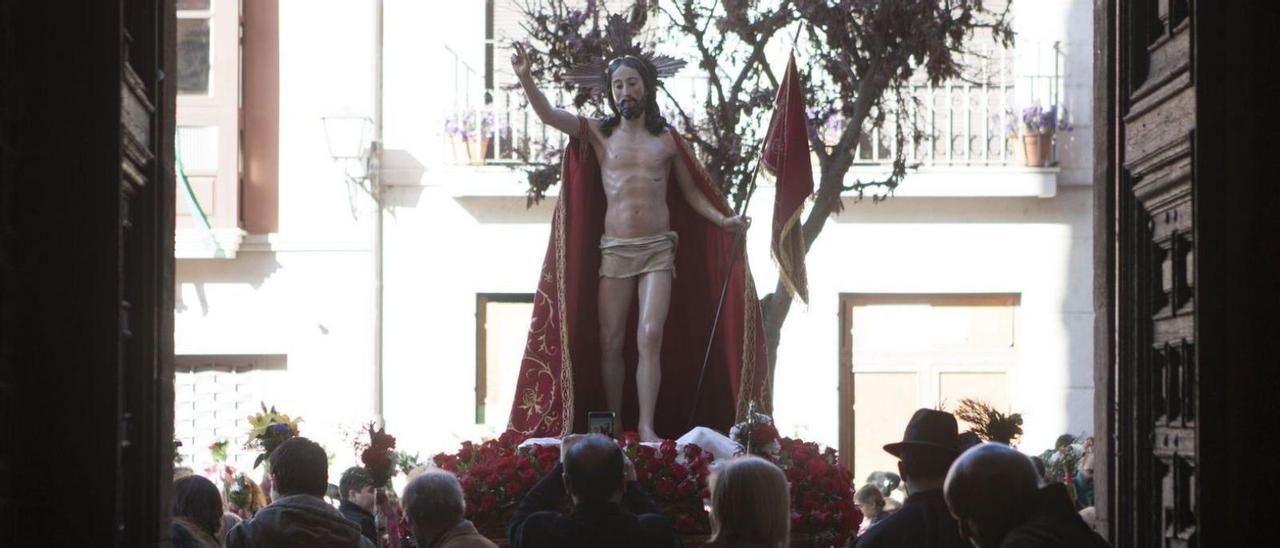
(637, 251)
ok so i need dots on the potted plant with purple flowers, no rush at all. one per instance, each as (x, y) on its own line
(469, 133)
(1036, 126)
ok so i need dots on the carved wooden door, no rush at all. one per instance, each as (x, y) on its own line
(1155, 467)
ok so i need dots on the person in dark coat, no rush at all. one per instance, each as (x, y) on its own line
(299, 517)
(928, 447)
(993, 492)
(357, 494)
(609, 509)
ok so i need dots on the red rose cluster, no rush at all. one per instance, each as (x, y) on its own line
(379, 456)
(677, 488)
(821, 492)
(495, 475)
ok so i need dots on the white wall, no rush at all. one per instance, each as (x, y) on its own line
(1037, 248)
(307, 294)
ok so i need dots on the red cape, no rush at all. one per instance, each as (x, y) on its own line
(560, 377)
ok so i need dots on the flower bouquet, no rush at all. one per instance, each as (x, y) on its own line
(244, 497)
(495, 475)
(1062, 463)
(822, 507)
(678, 488)
(270, 428)
(379, 458)
(757, 434)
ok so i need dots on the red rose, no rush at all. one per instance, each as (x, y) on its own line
(820, 517)
(812, 499)
(686, 487)
(794, 474)
(514, 490)
(851, 519)
(646, 451)
(511, 439)
(684, 523)
(487, 503)
(630, 439)
(762, 433)
(642, 474)
(654, 466)
(528, 476)
(665, 487)
(692, 452)
(548, 460)
(668, 450)
(678, 471)
(817, 467)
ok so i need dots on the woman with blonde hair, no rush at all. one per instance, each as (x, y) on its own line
(750, 505)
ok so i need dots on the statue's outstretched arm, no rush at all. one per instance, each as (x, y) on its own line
(557, 118)
(699, 202)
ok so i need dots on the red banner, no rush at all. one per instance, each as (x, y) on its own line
(786, 159)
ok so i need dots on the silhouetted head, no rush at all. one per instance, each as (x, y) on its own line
(300, 467)
(356, 487)
(870, 501)
(593, 469)
(433, 502)
(197, 500)
(750, 503)
(991, 489)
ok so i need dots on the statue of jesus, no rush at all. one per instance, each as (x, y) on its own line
(636, 153)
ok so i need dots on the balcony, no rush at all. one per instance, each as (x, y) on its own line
(964, 150)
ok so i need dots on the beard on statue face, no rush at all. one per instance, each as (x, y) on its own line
(629, 108)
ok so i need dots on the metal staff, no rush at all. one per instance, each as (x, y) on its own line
(706, 357)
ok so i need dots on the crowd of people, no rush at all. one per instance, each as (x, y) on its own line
(960, 492)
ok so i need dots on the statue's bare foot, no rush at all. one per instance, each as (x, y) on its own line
(647, 434)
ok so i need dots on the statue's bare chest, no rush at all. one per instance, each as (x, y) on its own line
(630, 153)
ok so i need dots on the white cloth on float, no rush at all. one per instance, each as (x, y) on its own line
(705, 438)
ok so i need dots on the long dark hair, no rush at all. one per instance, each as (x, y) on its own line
(198, 500)
(653, 119)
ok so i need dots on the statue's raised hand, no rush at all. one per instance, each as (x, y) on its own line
(520, 60)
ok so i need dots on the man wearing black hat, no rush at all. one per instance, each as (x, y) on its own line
(926, 451)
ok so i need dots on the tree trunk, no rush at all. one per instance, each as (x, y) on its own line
(775, 306)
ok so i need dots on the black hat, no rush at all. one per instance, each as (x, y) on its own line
(929, 429)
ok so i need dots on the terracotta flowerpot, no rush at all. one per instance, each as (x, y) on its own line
(477, 148)
(469, 150)
(1038, 149)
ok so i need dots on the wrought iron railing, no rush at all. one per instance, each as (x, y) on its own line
(960, 123)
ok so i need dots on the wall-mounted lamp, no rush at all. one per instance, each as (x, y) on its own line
(348, 137)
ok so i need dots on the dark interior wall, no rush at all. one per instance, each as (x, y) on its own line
(86, 245)
(1237, 196)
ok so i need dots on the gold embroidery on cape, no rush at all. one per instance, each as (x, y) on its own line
(532, 401)
(566, 362)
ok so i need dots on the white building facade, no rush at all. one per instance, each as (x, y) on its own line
(974, 280)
